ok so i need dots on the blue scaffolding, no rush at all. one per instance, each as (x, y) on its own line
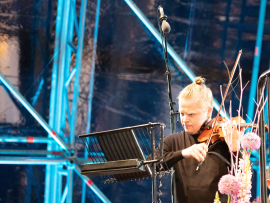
(63, 106)
(63, 109)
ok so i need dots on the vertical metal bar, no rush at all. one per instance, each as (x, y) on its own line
(78, 72)
(268, 110)
(70, 25)
(257, 178)
(60, 97)
(50, 177)
(65, 103)
(70, 184)
(60, 111)
(154, 181)
(91, 89)
(258, 188)
(67, 61)
(59, 189)
(257, 55)
(52, 182)
(263, 148)
(55, 63)
(138, 150)
(161, 140)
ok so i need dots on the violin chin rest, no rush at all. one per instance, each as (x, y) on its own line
(268, 183)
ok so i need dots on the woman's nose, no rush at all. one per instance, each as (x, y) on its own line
(184, 119)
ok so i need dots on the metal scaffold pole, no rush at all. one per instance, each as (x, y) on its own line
(60, 159)
(91, 88)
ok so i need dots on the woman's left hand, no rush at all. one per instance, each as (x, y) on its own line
(232, 134)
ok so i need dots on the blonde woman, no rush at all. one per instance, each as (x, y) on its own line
(183, 152)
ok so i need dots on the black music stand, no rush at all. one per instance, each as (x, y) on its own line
(120, 154)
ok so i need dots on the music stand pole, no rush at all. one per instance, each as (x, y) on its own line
(154, 169)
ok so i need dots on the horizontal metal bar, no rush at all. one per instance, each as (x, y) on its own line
(150, 162)
(30, 152)
(62, 172)
(31, 161)
(32, 111)
(27, 139)
(92, 186)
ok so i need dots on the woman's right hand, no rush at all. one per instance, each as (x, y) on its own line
(197, 151)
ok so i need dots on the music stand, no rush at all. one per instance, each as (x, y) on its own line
(120, 154)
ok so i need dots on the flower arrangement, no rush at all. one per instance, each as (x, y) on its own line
(237, 184)
(217, 200)
(244, 177)
(251, 141)
(228, 184)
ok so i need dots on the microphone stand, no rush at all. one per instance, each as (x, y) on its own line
(168, 73)
(171, 103)
(172, 116)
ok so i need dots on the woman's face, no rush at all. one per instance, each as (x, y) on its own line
(193, 114)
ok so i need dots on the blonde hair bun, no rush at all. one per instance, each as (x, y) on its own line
(198, 91)
(199, 80)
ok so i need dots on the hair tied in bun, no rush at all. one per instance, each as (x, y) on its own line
(199, 80)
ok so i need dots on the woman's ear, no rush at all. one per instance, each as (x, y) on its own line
(209, 112)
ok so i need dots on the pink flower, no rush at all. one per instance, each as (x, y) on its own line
(251, 141)
(228, 183)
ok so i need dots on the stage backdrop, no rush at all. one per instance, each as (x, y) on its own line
(130, 86)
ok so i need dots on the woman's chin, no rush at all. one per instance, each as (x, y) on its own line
(190, 131)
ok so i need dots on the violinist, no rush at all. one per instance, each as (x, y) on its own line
(183, 152)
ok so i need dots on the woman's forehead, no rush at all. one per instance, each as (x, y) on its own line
(191, 105)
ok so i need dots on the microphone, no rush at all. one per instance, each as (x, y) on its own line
(166, 28)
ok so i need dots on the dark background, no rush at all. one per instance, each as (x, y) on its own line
(130, 86)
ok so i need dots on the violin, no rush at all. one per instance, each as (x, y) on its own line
(215, 120)
(213, 131)
(206, 129)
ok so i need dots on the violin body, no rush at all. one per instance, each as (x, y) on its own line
(206, 130)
